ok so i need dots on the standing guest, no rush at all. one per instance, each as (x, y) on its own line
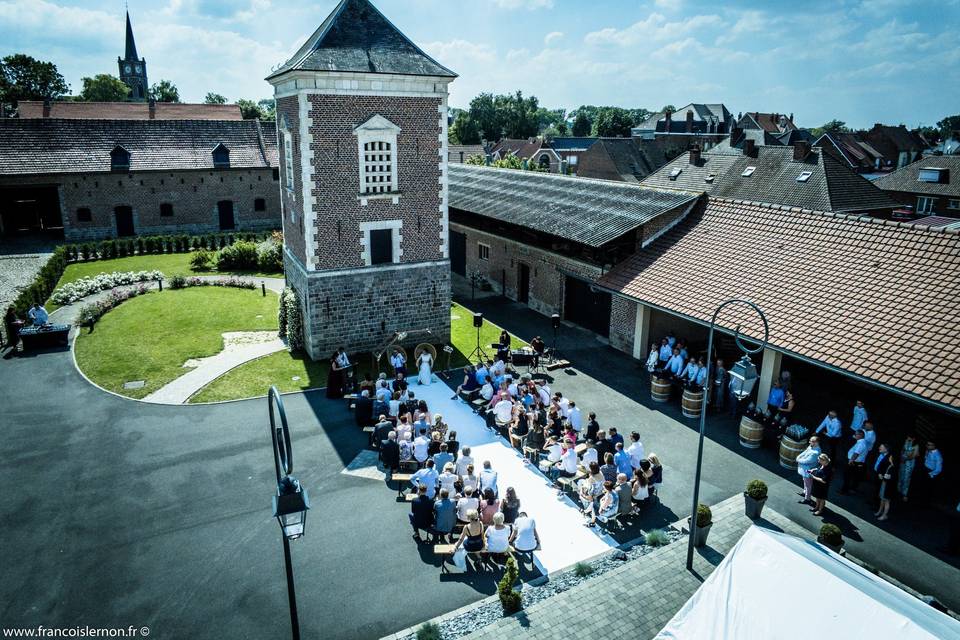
(885, 469)
(593, 427)
(674, 365)
(448, 479)
(394, 405)
(453, 445)
(690, 373)
(615, 438)
(635, 450)
(869, 436)
(575, 418)
(498, 535)
(443, 457)
(525, 537)
(464, 461)
(471, 538)
(623, 461)
(335, 377)
(931, 472)
(467, 505)
(908, 457)
(719, 385)
(488, 478)
(406, 448)
(421, 513)
(775, 399)
(656, 473)
(666, 351)
(640, 490)
(589, 454)
(786, 409)
(807, 460)
(469, 386)
(682, 345)
(421, 447)
(399, 362)
(653, 359)
(856, 461)
(426, 477)
(510, 506)
(609, 469)
(624, 494)
(701, 380)
(831, 431)
(821, 475)
(489, 505)
(859, 416)
(390, 452)
(12, 324)
(444, 515)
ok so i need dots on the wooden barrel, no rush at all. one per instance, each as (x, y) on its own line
(659, 390)
(789, 449)
(751, 433)
(691, 403)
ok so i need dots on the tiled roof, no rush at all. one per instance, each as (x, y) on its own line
(130, 110)
(775, 123)
(906, 179)
(454, 151)
(591, 212)
(52, 145)
(634, 159)
(357, 38)
(830, 187)
(572, 143)
(937, 222)
(836, 289)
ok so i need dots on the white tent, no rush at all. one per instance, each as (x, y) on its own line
(773, 585)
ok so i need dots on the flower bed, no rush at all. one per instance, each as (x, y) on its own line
(181, 282)
(90, 313)
(78, 289)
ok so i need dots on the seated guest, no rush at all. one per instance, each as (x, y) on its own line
(567, 467)
(498, 535)
(400, 383)
(624, 494)
(640, 491)
(608, 506)
(614, 437)
(623, 461)
(466, 505)
(535, 441)
(503, 411)
(427, 477)
(394, 405)
(469, 387)
(489, 505)
(635, 450)
(483, 373)
(591, 488)
(488, 478)
(520, 427)
(525, 537)
(383, 392)
(469, 480)
(512, 387)
(510, 506)
(593, 427)
(443, 457)
(463, 461)
(603, 445)
(403, 428)
(406, 448)
(486, 391)
(390, 452)
(675, 365)
(608, 468)
(421, 447)
(421, 513)
(439, 426)
(568, 432)
(444, 515)
(381, 430)
(554, 451)
(589, 454)
(448, 479)
(435, 443)
(453, 445)
(363, 409)
(367, 385)
(38, 315)
(471, 538)
(420, 425)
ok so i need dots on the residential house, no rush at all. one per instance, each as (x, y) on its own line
(460, 152)
(774, 123)
(897, 145)
(627, 159)
(703, 124)
(571, 148)
(851, 150)
(532, 150)
(930, 185)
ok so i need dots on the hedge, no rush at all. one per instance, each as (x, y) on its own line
(44, 284)
(143, 245)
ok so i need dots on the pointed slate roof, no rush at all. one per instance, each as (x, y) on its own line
(357, 38)
(131, 48)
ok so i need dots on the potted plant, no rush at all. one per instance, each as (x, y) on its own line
(831, 537)
(704, 522)
(510, 599)
(754, 498)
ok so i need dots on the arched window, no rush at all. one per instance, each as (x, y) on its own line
(544, 161)
(119, 159)
(221, 157)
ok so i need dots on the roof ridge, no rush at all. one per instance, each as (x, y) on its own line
(579, 180)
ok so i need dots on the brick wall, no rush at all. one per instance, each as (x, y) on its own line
(293, 214)
(339, 210)
(623, 323)
(193, 195)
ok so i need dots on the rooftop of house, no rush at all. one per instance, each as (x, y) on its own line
(702, 116)
(633, 159)
(934, 175)
(855, 282)
(898, 136)
(590, 212)
(773, 174)
(128, 110)
(357, 38)
(454, 151)
(776, 123)
(572, 143)
(522, 148)
(53, 145)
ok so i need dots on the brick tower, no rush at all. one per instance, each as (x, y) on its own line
(362, 125)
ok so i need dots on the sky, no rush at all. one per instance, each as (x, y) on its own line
(860, 61)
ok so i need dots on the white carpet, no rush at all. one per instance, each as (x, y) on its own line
(564, 539)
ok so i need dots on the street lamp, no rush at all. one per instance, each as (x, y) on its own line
(291, 502)
(744, 376)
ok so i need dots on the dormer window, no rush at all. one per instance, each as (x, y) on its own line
(932, 174)
(119, 160)
(221, 157)
(804, 176)
(675, 173)
(710, 178)
(377, 153)
(748, 172)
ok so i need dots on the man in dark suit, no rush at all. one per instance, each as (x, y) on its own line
(363, 411)
(400, 384)
(421, 513)
(603, 446)
(390, 452)
(593, 427)
(380, 432)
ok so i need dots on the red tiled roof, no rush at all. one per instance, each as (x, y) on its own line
(129, 111)
(863, 295)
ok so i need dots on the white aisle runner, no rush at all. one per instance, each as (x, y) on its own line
(564, 539)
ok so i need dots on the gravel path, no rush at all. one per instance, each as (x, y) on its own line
(19, 264)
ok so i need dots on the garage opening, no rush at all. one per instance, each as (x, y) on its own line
(589, 309)
(30, 210)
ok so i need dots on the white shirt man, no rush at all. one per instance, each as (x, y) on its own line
(831, 425)
(675, 364)
(503, 411)
(690, 371)
(869, 436)
(590, 455)
(488, 479)
(636, 452)
(554, 451)
(427, 477)
(858, 452)
(575, 418)
(463, 461)
(38, 315)
(421, 447)
(665, 352)
(859, 416)
(564, 407)
(544, 393)
(498, 368)
(568, 461)
(512, 388)
(383, 393)
(486, 391)
(397, 360)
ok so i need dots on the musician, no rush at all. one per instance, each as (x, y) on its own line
(399, 362)
(539, 346)
(335, 377)
(505, 340)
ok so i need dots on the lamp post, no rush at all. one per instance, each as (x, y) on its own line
(744, 376)
(291, 502)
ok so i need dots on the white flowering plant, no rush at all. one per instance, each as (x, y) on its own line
(79, 289)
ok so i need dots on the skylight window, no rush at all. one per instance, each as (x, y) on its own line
(675, 172)
(710, 178)
(804, 176)
(748, 172)
(931, 174)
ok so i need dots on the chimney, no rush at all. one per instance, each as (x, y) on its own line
(801, 149)
(689, 121)
(695, 155)
(669, 117)
(46, 107)
(461, 157)
(750, 148)
(735, 134)
(791, 118)
(152, 106)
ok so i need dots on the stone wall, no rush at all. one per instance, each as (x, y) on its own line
(623, 323)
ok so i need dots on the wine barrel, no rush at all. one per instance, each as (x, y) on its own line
(691, 403)
(659, 390)
(794, 441)
(751, 433)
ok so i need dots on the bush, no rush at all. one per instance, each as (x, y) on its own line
(200, 260)
(121, 248)
(429, 631)
(704, 515)
(831, 534)
(178, 281)
(73, 291)
(269, 256)
(238, 256)
(582, 569)
(43, 285)
(657, 538)
(86, 251)
(90, 313)
(757, 489)
(290, 320)
(510, 599)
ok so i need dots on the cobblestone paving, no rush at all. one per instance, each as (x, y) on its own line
(19, 264)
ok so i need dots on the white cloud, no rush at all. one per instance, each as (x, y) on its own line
(552, 38)
(524, 4)
(655, 28)
(227, 10)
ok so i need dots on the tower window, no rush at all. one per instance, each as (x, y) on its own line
(377, 147)
(119, 159)
(84, 215)
(287, 160)
(259, 204)
(166, 209)
(221, 157)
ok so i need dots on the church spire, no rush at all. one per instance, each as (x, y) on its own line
(131, 53)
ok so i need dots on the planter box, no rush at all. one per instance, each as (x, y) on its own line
(752, 507)
(700, 536)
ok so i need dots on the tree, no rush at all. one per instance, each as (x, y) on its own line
(104, 87)
(250, 110)
(948, 126)
(668, 108)
(268, 109)
(214, 98)
(581, 125)
(562, 128)
(834, 126)
(613, 122)
(484, 114)
(464, 130)
(165, 91)
(25, 78)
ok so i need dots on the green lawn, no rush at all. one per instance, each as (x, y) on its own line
(151, 336)
(255, 377)
(168, 263)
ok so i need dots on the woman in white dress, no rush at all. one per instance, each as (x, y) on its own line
(425, 361)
